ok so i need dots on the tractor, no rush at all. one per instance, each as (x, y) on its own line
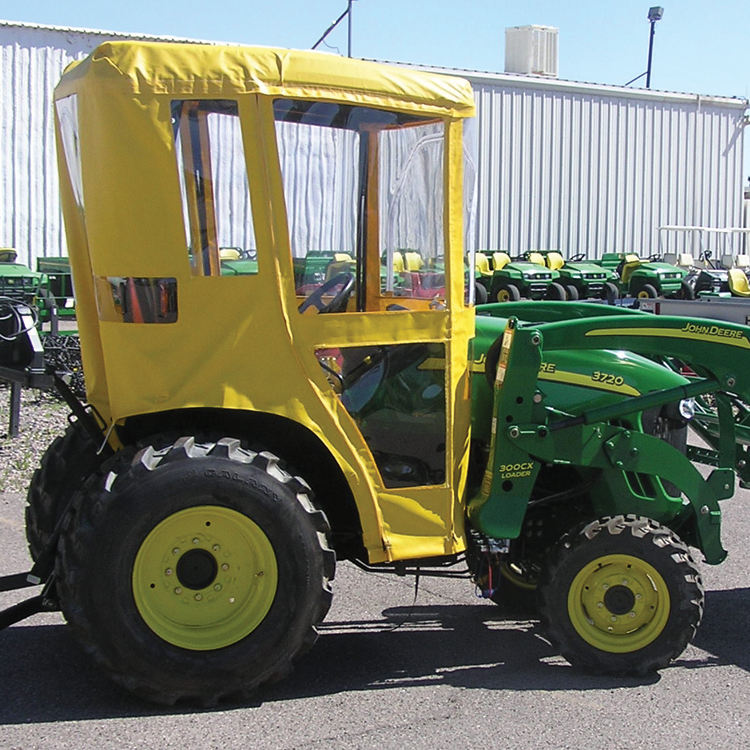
(243, 433)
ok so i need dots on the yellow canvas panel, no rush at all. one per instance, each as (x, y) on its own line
(157, 338)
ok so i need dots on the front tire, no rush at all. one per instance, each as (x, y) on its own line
(507, 293)
(620, 596)
(196, 572)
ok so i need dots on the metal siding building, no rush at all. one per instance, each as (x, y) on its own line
(32, 59)
(592, 169)
(575, 167)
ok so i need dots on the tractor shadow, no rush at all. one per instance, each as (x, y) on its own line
(46, 676)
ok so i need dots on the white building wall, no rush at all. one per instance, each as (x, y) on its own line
(592, 169)
(574, 167)
(32, 59)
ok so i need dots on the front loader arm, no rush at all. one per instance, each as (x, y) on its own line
(527, 434)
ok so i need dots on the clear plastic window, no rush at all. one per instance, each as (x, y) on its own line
(364, 192)
(136, 299)
(396, 395)
(215, 190)
(67, 116)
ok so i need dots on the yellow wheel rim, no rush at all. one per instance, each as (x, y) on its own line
(643, 294)
(619, 604)
(205, 577)
(503, 295)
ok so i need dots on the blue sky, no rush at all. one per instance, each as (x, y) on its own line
(699, 48)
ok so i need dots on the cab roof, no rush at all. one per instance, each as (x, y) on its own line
(206, 70)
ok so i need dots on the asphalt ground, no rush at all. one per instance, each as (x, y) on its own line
(446, 670)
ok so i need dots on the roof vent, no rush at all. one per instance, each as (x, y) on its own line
(531, 50)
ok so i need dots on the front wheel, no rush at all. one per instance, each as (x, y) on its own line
(648, 291)
(507, 293)
(620, 596)
(196, 572)
(610, 293)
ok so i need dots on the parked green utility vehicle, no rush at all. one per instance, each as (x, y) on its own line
(647, 278)
(582, 279)
(525, 278)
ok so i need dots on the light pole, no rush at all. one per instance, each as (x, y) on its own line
(654, 14)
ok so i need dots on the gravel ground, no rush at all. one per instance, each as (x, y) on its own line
(43, 418)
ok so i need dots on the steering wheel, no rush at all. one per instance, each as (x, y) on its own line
(338, 303)
(577, 257)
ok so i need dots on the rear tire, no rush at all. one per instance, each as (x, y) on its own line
(65, 464)
(620, 596)
(573, 294)
(196, 572)
(556, 292)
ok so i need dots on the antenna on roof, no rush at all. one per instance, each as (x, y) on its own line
(347, 12)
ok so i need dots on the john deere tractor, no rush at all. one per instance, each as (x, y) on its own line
(243, 433)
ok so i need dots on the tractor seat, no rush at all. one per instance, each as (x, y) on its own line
(335, 267)
(555, 261)
(229, 253)
(398, 262)
(414, 261)
(500, 260)
(482, 263)
(537, 258)
(8, 255)
(738, 283)
(629, 265)
(685, 260)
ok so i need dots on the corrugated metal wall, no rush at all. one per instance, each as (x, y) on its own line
(592, 169)
(575, 167)
(32, 59)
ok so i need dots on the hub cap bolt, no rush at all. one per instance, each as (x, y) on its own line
(176, 551)
(178, 591)
(198, 597)
(168, 571)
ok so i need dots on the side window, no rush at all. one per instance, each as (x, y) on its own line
(214, 185)
(364, 193)
(411, 207)
(396, 395)
(67, 115)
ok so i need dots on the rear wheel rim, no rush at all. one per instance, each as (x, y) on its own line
(205, 577)
(619, 603)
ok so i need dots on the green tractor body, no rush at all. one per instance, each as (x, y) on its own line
(255, 416)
